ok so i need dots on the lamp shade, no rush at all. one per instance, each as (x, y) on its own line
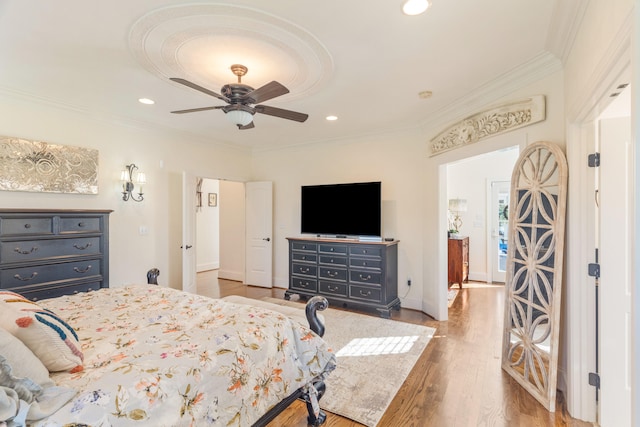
(239, 117)
(458, 205)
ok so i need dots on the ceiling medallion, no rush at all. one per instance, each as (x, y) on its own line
(199, 42)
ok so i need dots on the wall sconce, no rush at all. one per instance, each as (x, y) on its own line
(127, 178)
(455, 207)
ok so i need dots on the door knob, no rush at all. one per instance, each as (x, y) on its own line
(188, 247)
(267, 239)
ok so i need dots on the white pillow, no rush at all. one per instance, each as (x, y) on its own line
(26, 391)
(49, 337)
(23, 362)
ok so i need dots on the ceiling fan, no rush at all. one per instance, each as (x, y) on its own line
(240, 97)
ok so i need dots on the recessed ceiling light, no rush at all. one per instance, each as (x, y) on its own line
(415, 7)
(146, 101)
(332, 118)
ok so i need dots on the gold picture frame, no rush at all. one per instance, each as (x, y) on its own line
(213, 199)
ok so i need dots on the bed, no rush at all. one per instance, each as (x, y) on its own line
(149, 355)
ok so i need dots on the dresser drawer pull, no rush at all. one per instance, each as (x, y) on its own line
(82, 248)
(332, 273)
(331, 249)
(365, 294)
(81, 224)
(21, 252)
(365, 278)
(333, 289)
(25, 279)
(80, 270)
(304, 284)
(304, 269)
(303, 257)
(27, 225)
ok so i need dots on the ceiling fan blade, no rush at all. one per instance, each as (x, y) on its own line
(198, 88)
(193, 110)
(249, 126)
(265, 93)
(279, 112)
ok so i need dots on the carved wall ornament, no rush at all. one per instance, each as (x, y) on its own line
(491, 122)
(533, 285)
(37, 166)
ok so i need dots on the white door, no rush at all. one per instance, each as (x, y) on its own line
(188, 232)
(616, 273)
(499, 229)
(259, 244)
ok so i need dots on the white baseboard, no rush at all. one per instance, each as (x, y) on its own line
(478, 276)
(281, 282)
(207, 266)
(237, 276)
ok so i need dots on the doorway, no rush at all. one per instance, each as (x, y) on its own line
(499, 214)
(471, 180)
(220, 225)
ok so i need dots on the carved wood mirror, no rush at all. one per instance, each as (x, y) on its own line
(534, 270)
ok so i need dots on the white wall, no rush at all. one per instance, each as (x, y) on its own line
(601, 55)
(161, 155)
(208, 229)
(435, 180)
(231, 200)
(394, 159)
(469, 179)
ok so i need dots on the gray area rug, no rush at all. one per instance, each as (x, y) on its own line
(375, 356)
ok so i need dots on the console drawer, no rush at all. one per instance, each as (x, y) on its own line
(304, 284)
(79, 225)
(304, 257)
(365, 263)
(333, 249)
(373, 251)
(335, 289)
(304, 246)
(365, 293)
(333, 273)
(369, 277)
(66, 271)
(26, 226)
(304, 269)
(333, 260)
(28, 250)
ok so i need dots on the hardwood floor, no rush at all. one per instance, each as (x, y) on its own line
(457, 381)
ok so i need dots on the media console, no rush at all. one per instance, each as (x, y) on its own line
(347, 273)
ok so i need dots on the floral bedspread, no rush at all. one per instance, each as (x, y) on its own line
(161, 357)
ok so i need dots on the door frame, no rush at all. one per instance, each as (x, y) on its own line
(489, 231)
(579, 292)
(188, 213)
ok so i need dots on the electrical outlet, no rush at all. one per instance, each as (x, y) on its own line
(408, 282)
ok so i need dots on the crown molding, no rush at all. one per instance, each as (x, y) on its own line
(29, 98)
(565, 22)
(542, 65)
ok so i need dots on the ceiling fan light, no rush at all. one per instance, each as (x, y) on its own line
(415, 7)
(239, 117)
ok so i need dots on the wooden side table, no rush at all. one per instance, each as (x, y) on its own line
(458, 260)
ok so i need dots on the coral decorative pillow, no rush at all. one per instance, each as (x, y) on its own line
(49, 337)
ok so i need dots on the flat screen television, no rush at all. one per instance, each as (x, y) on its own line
(352, 209)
